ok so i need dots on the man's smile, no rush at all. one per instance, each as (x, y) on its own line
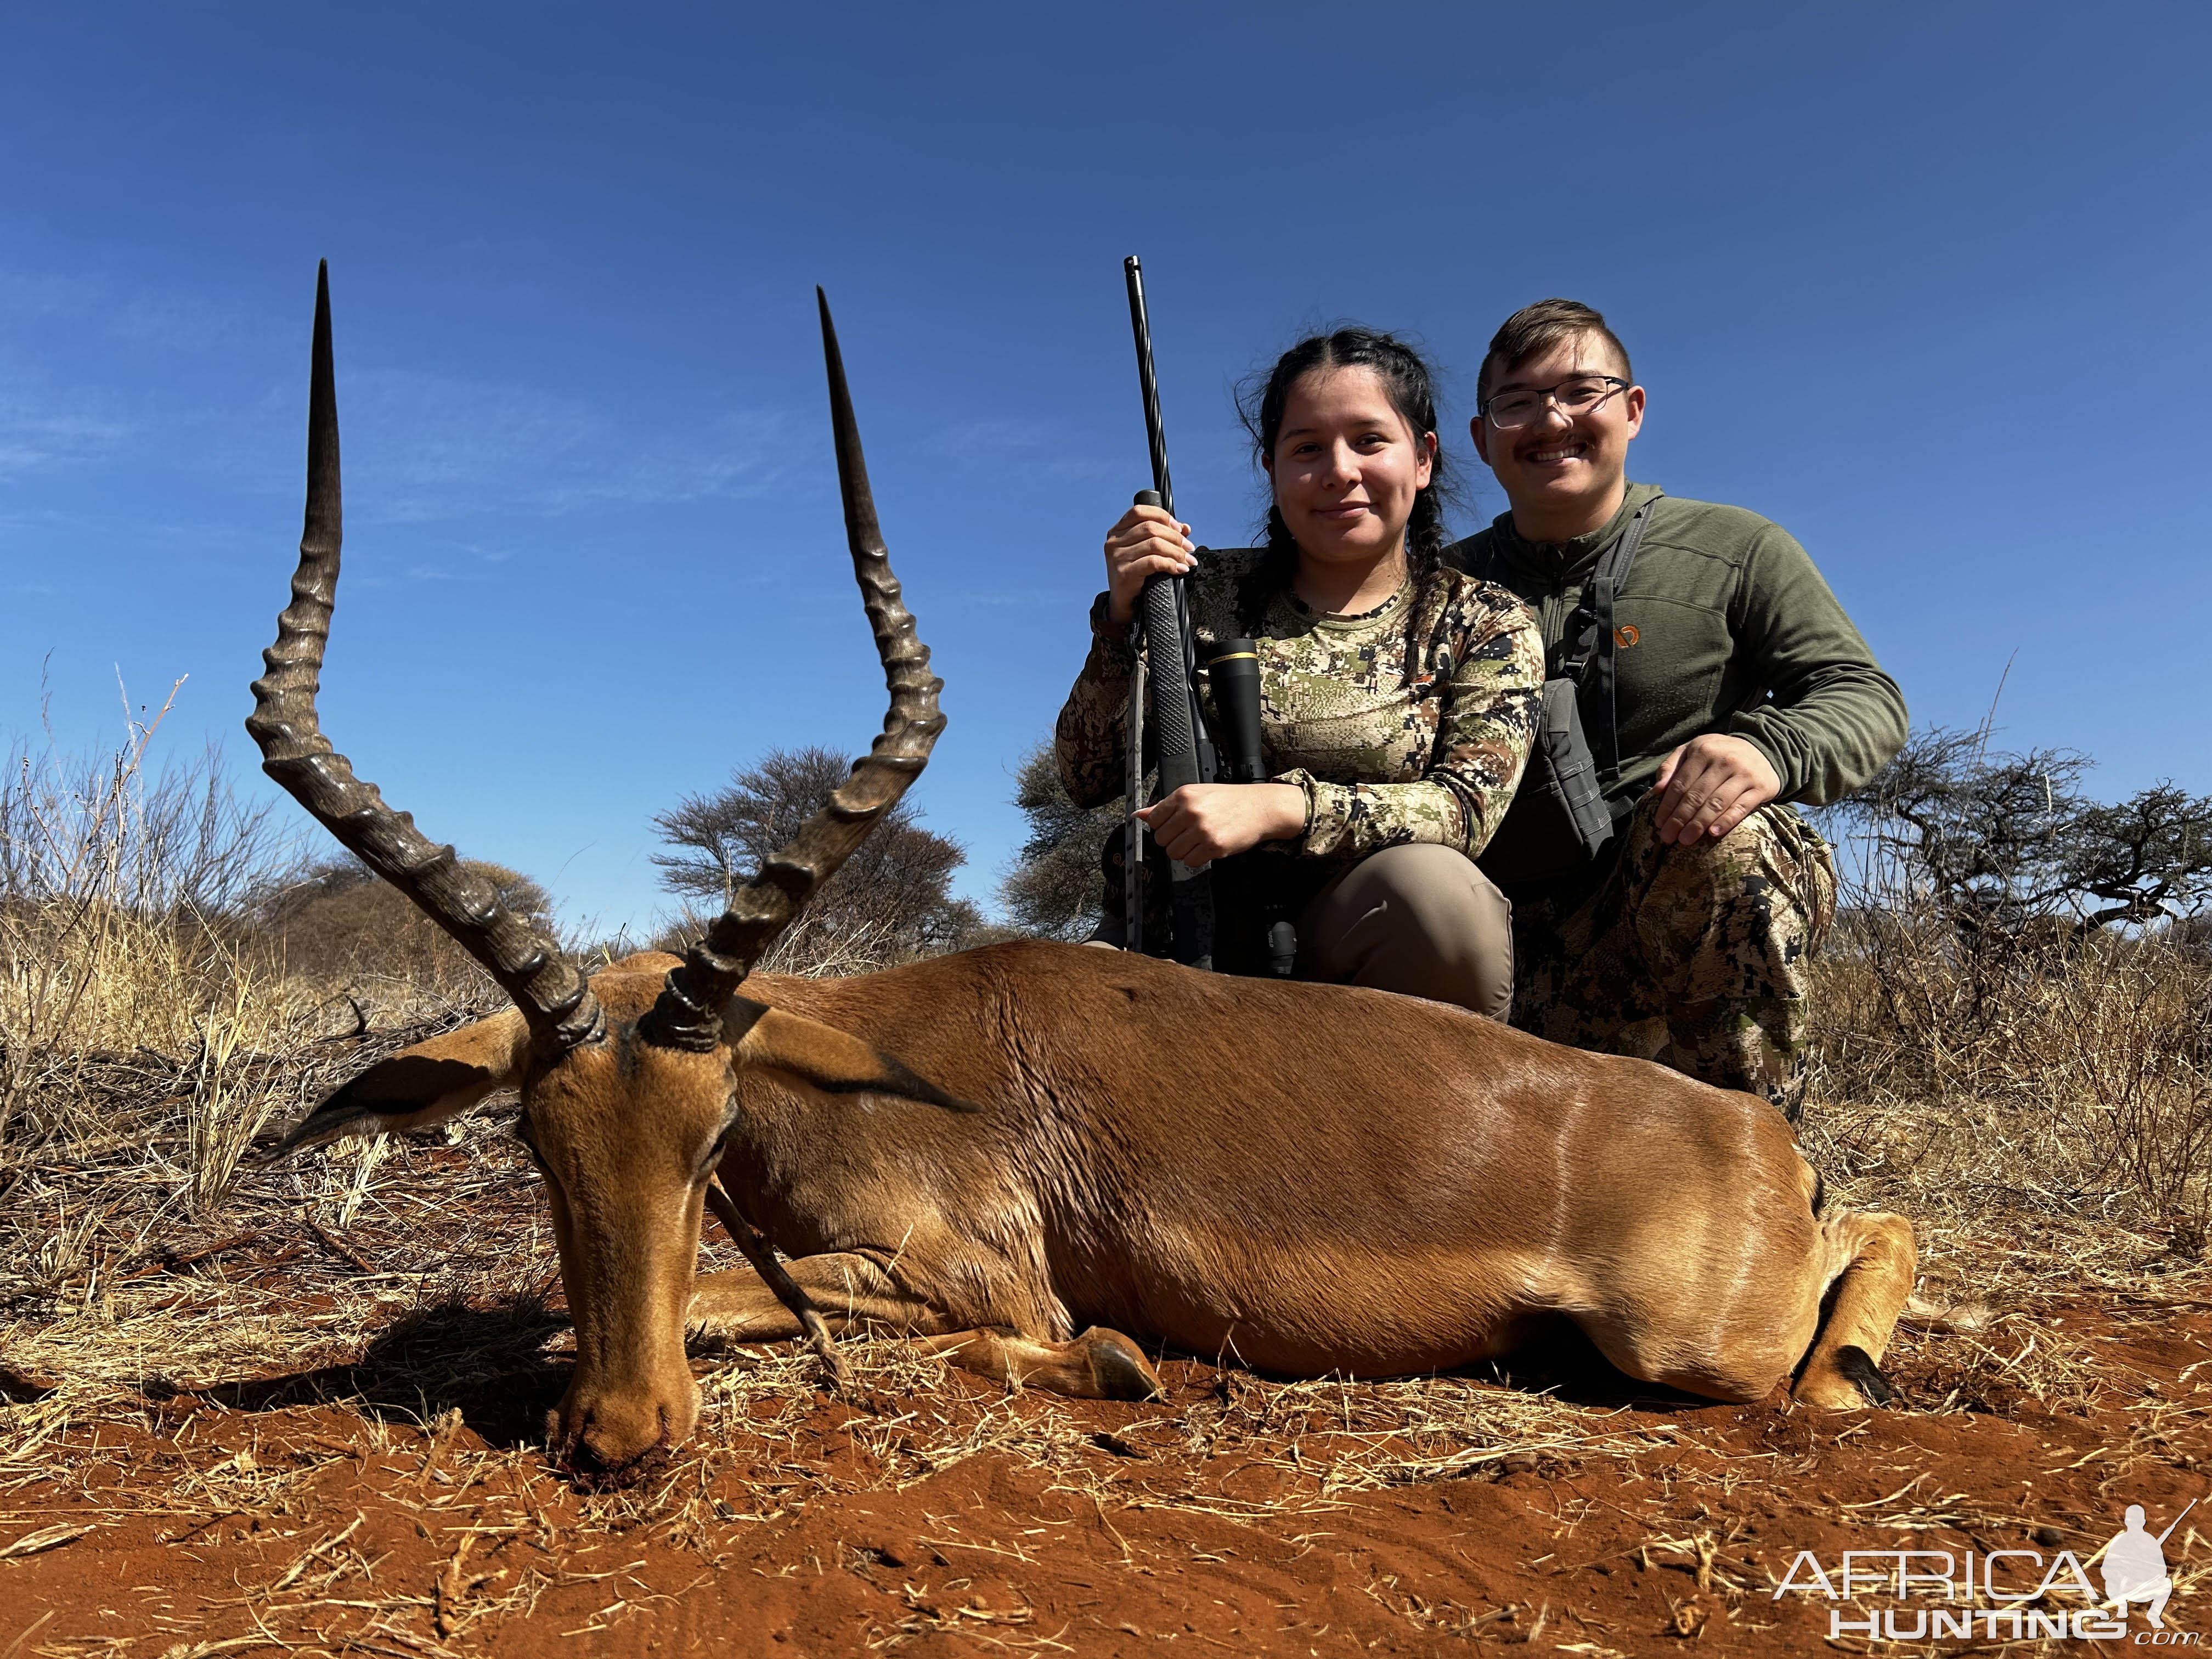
(1552, 454)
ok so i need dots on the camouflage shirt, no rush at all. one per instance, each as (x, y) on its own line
(1411, 722)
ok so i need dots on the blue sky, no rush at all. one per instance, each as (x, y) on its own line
(1922, 284)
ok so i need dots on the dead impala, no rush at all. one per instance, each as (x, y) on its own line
(1018, 1153)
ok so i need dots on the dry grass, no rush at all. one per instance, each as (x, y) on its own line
(2011, 1080)
(2042, 1107)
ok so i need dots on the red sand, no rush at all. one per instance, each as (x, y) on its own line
(993, 1555)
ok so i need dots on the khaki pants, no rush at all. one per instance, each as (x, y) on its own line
(1418, 920)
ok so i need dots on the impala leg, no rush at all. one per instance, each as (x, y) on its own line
(1099, 1364)
(1878, 1259)
(854, 1293)
(1649, 1344)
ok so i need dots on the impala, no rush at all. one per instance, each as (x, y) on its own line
(1027, 1154)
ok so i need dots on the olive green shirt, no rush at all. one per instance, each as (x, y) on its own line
(1722, 626)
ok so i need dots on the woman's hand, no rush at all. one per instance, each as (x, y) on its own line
(1711, 785)
(1201, 822)
(1146, 542)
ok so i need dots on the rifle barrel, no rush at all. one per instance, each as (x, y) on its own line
(2177, 1521)
(1155, 432)
(1183, 749)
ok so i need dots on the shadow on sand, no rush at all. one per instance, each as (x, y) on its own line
(487, 1363)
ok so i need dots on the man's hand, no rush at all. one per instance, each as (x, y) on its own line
(1144, 542)
(1201, 822)
(1711, 785)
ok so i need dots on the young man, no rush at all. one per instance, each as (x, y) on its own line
(1739, 686)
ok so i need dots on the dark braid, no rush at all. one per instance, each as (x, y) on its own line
(1411, 390)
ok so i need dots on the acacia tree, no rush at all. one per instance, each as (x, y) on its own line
(1999, 841)
(2147, 858)
(1053, 886)
(892, 899)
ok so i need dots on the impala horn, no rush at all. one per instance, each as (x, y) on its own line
(688, 1012)
(554, 997)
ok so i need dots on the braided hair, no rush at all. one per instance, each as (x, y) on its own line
(1410, 386)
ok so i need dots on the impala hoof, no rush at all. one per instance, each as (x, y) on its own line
(1846, 1380)
(1119, 1368)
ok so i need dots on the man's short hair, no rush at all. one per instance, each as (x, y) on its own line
(1534, 329)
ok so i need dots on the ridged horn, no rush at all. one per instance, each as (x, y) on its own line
(689, 1012)
(553, 996)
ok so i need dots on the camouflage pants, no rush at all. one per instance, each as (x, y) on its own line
(1694, 957)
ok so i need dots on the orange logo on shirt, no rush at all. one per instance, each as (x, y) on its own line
(1625, 634)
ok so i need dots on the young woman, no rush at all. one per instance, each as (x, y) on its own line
(1399, 698)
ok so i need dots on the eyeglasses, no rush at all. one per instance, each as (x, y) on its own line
(1577, 395)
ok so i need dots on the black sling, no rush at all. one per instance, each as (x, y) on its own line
(1590, 664)
(1564, 765)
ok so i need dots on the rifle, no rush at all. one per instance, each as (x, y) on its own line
(2177, 1521)
(1181, 746)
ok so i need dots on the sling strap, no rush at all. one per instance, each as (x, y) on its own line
(1586, 650)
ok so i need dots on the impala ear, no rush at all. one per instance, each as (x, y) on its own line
(421, 1086)
(829, 1059)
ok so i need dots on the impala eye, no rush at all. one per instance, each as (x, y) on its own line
(715, 1152)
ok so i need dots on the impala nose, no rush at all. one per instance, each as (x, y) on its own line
(612, 1441)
